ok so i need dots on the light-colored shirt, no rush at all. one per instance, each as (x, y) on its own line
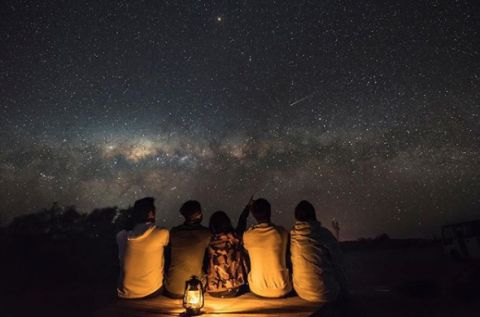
(267, 247)
(188, 243)
(316, 262)
(141, 260)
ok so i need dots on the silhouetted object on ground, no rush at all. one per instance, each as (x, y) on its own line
(141, 253)
(187, 248)
(266, 245)
(460, 240)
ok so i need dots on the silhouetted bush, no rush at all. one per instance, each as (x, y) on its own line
(100, 223)
(382, 237)
(61, 245)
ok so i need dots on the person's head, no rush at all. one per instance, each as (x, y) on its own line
(261, 210)
(220, 223)
(305, 211)
(192, 211)
(143, 210)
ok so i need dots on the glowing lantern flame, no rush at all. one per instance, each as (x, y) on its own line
(193, 296)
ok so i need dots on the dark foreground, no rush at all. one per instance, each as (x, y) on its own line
(77, 278)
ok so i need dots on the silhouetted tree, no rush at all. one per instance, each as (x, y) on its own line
(70, 221)
(382, 237)
(100, 222)
(35, 223)
(123, 219)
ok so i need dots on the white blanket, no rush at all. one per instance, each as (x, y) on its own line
(316, 262)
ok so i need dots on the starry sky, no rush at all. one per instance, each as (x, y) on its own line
(369, 109)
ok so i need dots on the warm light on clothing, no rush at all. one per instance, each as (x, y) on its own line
(141, 260)
(267, 247)
(316, 260)
(188, 244)
(227, 266)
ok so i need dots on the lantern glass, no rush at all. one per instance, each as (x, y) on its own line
(193, 299)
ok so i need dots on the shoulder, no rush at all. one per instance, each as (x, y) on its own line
(248, 233)
(204, 228)
(251, 230)
(121, 236)
(176, 228)
(205, 235)
(280, 229)
(162, 231)
(162, 234)
(252, 227)
(206, 231)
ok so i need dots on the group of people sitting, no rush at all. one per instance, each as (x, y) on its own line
(230, 261)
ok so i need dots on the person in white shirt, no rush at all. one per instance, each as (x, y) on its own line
(266, 245)
(141, 253)
(316, 258)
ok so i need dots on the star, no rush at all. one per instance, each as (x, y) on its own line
(340, 104)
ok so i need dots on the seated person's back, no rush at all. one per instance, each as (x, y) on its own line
(266, 245)
(141, 253)
(227, 266)
(188, 243)
(316, 258)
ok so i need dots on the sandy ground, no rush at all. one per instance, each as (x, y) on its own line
(244, 305)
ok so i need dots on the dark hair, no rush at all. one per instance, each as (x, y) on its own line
(191, 210)
(220, 223)
(142, 208)
(305, 211)
(261, 209)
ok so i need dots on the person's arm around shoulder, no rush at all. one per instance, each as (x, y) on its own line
(122, 244)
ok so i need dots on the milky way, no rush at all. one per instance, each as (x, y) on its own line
(369, 110)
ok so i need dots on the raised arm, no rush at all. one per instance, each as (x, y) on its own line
(242, 220)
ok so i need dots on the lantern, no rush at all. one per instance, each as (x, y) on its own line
(193, 296)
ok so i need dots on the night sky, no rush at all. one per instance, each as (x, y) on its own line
(370, 110)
